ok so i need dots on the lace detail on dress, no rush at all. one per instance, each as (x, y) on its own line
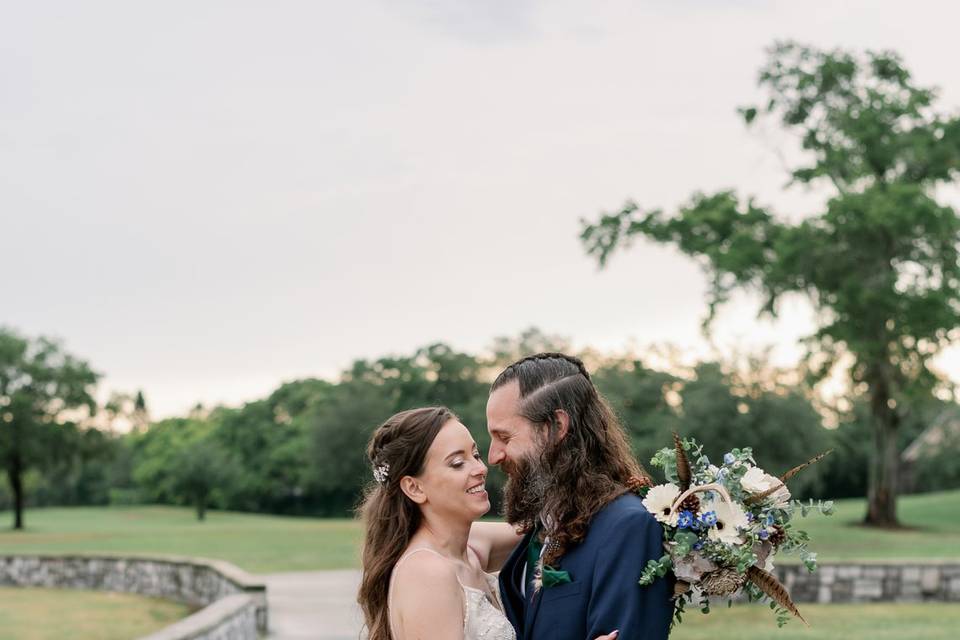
(483, 619)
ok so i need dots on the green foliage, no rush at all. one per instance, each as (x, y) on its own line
(656, 569)
(78, 471)
(301, 450)
(639, 395)
(938, 467)
(879, 265)
(40, 384)
(339, 430)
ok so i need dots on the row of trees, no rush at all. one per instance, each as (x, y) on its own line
(301, 449)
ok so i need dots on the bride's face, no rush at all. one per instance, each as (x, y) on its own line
(454, 476)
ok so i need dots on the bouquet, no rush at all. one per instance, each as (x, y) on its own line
(723, 526)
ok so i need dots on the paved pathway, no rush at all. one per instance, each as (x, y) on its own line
(319, 605)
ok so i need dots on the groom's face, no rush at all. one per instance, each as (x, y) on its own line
(516, 447)
(512, 437)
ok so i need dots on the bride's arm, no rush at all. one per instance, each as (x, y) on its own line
(427, 600)
(493, 542)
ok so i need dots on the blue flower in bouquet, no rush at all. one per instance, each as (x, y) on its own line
(698, 545)
(764, 534)
(708, 519)
(686, 520)
(728, 458)
(770, 519)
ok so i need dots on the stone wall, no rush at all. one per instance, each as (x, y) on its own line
(233, 604)
(230, 618)
(881, 582)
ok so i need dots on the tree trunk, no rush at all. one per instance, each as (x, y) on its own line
(885, 458)
(201, 508)
(15, 476)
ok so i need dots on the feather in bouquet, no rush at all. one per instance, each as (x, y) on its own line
(723, 525)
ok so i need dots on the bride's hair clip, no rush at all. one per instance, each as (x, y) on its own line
(381, 473)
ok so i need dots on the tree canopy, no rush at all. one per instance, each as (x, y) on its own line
(41, 388)
(879, 264)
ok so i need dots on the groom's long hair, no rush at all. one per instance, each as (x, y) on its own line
(397, 448)
(591, 465)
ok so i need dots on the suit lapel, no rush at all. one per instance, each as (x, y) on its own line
(531, 613)
(511, 581)
(533, 606)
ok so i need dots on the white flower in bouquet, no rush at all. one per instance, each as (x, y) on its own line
(756, 480)
(659, 502)
(730, 518)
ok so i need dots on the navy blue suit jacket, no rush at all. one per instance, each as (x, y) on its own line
(604, 593)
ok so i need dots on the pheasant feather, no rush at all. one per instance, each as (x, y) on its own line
(683, 464)
(797, 469)
(769, 584)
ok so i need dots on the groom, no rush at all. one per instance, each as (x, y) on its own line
(588, 536)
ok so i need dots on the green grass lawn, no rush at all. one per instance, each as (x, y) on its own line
(257, 543)
(48, 614)
(827, 622)
(262, 544)
(932, 531)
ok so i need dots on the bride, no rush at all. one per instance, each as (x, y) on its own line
(427, 563)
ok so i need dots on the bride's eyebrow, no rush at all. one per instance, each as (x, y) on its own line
(458, 452)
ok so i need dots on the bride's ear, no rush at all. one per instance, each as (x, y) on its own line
(412, 488)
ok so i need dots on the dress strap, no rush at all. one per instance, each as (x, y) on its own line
(417, 550)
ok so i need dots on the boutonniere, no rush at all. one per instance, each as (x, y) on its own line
(545, 576)
(550, 577)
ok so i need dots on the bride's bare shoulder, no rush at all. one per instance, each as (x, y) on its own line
(424, 568)
(427, 599)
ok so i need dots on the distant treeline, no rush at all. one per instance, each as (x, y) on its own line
(301, 450)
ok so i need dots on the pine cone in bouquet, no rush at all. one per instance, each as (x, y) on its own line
(722, 582)
(691, 503)
(778, 536)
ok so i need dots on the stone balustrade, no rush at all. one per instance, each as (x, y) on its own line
(906, 581)
(232, 603)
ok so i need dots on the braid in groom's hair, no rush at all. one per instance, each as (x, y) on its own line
(591, 464)
(549, 355)
(535, 371)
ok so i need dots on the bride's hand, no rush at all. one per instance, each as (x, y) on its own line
(609, 636)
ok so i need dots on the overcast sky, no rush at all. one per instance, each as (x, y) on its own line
(204, 199)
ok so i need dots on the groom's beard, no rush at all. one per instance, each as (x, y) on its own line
(525, 491)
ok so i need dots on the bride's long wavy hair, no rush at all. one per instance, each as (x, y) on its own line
(591, 465)
(397, 448)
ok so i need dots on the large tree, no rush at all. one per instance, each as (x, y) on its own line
(879, 264)
(40, 385)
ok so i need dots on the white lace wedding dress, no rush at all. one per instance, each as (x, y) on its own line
(483, 619)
